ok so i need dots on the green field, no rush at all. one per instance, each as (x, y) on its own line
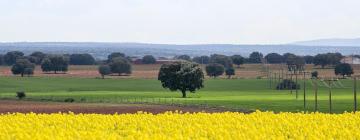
(249, 94)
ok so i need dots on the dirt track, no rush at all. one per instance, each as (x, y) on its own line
(9, 106)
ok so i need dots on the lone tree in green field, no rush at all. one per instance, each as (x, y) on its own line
(104, 70)
(120, 65)
(214, 70)
(55, 63)
(183, 76)
(344, 69)
(22, 66)
(230, 72)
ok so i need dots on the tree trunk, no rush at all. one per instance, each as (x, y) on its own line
(22, 74)
(103, 77)
(229, 76)
(183, 93)
(55, 71)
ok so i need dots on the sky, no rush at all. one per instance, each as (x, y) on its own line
(178, 21)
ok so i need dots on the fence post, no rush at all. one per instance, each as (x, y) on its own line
(355, 99)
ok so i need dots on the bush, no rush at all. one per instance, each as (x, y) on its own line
(148, 59)
(70, 100)
(287, 85)
(314, 74)
(20, 94)
(104, 70)
(214, 70)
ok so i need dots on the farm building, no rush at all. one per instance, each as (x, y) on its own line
(351, 60)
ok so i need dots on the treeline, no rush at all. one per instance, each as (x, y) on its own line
(217, 64)
(37, 58)
(120, 64)
(326, 59)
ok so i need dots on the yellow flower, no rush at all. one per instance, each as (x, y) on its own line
(178, 125)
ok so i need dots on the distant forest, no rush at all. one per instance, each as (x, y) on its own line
(100, 51)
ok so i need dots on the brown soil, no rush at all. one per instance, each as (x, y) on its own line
(151, 71)
(10, 106)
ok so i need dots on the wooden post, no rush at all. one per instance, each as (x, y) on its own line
(291, 90)
(275, 79)
(330, 103)
(279, 77)
(296, 83)
(316, 90)
(270, 80)
(304, 91)
(355, 99)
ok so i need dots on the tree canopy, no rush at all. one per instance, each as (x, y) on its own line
(82, 59)
(255, 57)
(181, 76)
(221, 59)
(148, 59)
(214, 70)
(22, 66)
(37, 57)
(114, 55)
(104, 70)
(344, 69)
(10, 57)
(274, 58)
(120, 66)
(230, 72)
(201, 59)
(237, 60)
(327, 59)
(55, 63)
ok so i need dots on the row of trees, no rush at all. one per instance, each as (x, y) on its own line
(326, 59)
(255, 57)
(50, 63)
(37, 58)
(116, 63)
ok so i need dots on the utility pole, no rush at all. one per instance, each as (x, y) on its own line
(296, 85)
(330, 81)
(316, 91)
(291, 85)
(269, 77)
(355, 102)
(304, 88)
(275, 80)
(279, 77)
(355, 98)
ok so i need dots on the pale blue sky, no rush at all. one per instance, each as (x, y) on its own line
(179, 21)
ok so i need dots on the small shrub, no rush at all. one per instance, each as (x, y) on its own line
(83, 99)
(20, 94)
(314, 74)
(287, 85)
(70, 100)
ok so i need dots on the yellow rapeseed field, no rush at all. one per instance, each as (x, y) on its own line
(258, 125)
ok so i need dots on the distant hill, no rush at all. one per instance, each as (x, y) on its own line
(100, 50)
(330, 42)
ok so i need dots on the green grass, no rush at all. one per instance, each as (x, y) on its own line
(236, 93)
